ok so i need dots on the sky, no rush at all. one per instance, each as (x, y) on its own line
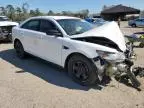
(94, 6)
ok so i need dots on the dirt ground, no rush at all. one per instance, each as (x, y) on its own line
(34, 83)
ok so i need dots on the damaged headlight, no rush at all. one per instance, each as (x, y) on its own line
(111, 56)
(104, 54)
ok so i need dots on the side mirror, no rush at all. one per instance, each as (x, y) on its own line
(54, 32)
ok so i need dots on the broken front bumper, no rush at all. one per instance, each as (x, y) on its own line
(113, 65)
(117, 69)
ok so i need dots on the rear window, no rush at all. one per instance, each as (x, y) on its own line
(32, 25)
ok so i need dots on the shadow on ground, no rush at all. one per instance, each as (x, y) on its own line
(44, 70)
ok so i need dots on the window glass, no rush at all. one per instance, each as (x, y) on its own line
(75, 26)
(32, 25)
(48, 27)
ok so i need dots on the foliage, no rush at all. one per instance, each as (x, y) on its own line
(23, 12)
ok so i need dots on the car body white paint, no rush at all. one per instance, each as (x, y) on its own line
(51, 49)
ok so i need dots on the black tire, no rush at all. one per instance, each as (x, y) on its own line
(19, 49)
(86, 72)
(133, 25)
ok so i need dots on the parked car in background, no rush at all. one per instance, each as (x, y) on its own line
(6, 28)
(136, 22)
(87, 53)
(96, 21)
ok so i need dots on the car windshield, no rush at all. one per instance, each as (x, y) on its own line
(75, 26)
(4, 19)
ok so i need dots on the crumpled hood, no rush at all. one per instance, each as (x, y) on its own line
(110, 31)
(8, 23)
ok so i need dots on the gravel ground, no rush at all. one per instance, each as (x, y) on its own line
(34, 83)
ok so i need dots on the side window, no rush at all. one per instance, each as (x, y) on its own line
(32, 25)
(48, 27)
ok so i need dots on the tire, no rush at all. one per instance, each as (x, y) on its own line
(82, 70)
(19, 49)
(133, 25)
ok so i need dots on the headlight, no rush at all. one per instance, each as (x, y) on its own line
(104, 54)
(111, 56)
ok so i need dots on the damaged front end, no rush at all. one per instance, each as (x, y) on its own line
(109, 63)
(116, 64)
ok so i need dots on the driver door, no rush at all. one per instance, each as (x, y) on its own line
(50, 44)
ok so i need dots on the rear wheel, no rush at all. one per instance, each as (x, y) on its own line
(82, 70)
(19, 49)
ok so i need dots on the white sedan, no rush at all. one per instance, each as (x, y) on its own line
(86, 52)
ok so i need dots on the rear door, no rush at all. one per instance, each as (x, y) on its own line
(30, 33)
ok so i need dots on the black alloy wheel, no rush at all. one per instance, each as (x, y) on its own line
(82, 70)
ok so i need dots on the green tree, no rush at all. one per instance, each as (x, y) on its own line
(10, 11)
(2, 11)
(18, 12)
(32, 13)
(50, 12)
(37, 12)
(25, 14)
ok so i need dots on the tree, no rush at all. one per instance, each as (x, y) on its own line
(25, 7)
(32, 13)
(50, 12)
(83, 13)
(10, 11)
(2, 11)
(37, 12)
(25, 14)
(19, 12)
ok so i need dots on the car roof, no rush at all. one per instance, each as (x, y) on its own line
(57, 17)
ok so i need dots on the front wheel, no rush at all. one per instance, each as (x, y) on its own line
(82, 70)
